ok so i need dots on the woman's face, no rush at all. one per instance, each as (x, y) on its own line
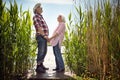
(59, 18)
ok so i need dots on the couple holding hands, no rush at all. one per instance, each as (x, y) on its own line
(42, 33)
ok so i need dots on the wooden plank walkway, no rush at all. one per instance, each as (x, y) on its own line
(50, 75)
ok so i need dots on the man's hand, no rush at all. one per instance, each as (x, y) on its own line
(50, 38)
(46, 37)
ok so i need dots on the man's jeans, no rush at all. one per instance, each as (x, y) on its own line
(42, 49)
(58, 57)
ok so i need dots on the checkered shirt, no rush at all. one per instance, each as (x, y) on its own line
(39, 21)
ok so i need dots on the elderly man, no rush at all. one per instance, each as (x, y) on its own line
(42, 32)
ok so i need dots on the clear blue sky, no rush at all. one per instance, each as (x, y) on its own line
(51, 9)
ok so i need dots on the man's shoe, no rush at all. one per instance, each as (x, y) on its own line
(40, 70)
(44, 67)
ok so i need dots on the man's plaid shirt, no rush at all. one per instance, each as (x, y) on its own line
(39, 21)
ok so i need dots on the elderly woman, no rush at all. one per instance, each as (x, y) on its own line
(56, 41)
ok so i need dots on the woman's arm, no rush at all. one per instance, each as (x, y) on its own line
(61, 27)
(55, 35)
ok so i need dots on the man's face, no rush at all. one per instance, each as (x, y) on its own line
(39, 10)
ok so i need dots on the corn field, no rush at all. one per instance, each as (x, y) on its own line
(16, 48)
(92, 41)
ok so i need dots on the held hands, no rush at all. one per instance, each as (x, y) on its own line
(48, 39)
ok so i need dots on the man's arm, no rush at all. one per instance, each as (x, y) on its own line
(40, 31)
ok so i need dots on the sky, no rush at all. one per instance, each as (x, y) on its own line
(51, 9)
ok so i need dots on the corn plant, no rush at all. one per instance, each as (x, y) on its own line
(16, 48)
(92, 39)
(75, 43)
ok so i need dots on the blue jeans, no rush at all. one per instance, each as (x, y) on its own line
(42, 49)
(58, 57)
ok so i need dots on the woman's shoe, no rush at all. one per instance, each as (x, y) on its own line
(61, 70)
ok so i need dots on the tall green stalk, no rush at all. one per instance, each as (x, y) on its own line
(92, 41)
(75, 43)
(16, 48)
